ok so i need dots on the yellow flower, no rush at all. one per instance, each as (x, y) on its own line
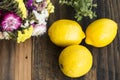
(48, 1)
(22, 7)
(25, 34)
(50, 6)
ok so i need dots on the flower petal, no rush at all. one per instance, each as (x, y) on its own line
(11, 22)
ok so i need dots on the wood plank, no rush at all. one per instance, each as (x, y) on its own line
(23, 61)
(38, 59)
(106, 60)
(7, 59)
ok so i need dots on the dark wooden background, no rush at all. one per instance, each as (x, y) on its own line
(37, 58)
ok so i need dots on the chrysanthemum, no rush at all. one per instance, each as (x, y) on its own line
(10, 22)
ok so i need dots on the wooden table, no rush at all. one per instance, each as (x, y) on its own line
(37, 58)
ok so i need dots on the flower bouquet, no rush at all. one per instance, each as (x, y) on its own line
(21, 19)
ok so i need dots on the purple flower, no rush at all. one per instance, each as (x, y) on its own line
(10, 22)
(30, 5)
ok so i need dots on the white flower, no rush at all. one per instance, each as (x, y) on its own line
(39, 29)
(32, 21)
(41, 17)
(39, 0)
(25, 25)
(1, 35)
(6, 35)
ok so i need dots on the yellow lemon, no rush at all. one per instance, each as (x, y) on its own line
(75, 61)
(101, 32)
(65, 32)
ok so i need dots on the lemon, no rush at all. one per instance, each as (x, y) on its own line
(75, 61)
(101, 32)
(65, 32)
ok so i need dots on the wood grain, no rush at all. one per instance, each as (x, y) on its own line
(37, 58)
(23, 61)
(7, 59)
(15, 60)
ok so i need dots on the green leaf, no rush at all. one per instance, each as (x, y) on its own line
(83, 8)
